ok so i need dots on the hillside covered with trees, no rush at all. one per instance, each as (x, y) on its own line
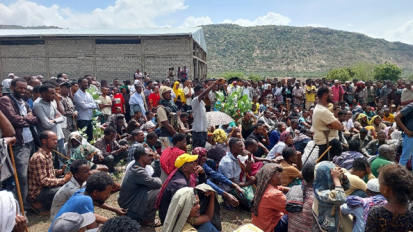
(297, 51)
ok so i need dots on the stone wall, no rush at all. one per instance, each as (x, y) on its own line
(77, 56)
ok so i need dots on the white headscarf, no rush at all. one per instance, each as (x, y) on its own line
(179, 210)
(8, 210)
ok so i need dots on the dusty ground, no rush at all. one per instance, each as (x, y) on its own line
(231, 220)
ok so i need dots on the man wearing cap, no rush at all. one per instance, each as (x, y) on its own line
(97, 191)
(200, 125)
(163, 114)
(360, 207)
(72, 222)
(139, 190)
(181, 177)
(18, 112)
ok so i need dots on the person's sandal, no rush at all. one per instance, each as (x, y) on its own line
(151, 224)
(37, 207)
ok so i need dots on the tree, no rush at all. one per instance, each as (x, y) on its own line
(341, 74)
(387, 71)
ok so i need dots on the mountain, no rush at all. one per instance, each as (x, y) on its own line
(21, 27)
(291, 51)
(296, 51)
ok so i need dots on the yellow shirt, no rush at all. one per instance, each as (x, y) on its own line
(356, 183)
(310, 97)
(389, 119)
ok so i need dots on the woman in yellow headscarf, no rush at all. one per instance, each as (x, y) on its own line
(362, 119)
(376, 122)
(180, 99)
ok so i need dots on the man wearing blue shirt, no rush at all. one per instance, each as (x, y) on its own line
(98, 189)
(84, 105)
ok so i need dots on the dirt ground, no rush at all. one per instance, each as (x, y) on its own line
(231, 220)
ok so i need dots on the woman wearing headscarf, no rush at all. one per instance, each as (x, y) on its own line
(268, 204)
(118, 101)
(74, 141)
(362, 119)
(376, 122)
(286, 140)
(137, 102)
(220, 148)
(184, 211)
(180, 99)
(329, 186)
(154, 98)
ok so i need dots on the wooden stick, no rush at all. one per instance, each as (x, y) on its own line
(17, 185)
(166, 145)
(325, 152)
(74, 121)
(60, 154)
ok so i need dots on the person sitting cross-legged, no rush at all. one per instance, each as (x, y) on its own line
(139, 190)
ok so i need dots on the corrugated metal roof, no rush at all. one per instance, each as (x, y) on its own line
(196, 32)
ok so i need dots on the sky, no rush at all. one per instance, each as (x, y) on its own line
(390, 20)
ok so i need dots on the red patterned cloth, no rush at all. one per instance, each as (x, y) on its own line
(168, 158)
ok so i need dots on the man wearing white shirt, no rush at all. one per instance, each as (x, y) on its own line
(188, 91)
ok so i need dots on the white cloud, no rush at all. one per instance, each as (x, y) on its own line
(123, 14)
(270, 19)
(403, 33)
(193, 22)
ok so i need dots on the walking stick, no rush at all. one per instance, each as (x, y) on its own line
(326, 133)
(74, 121)
(19, 194)
(328, 149)
(60, 154)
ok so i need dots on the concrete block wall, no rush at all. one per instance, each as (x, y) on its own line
(121, 67)
(79, 56)
(72, 67)
(159, 65)
(23, 66)
(164, 47)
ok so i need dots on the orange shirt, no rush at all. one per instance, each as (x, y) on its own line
(289, 173)
(270, 209)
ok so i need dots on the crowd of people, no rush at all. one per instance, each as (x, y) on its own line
(314, 155)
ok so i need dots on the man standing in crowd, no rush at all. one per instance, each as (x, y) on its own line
(43, 181)
(324, 122)
(70, 112)
(21, 117)
(310, 92)
(84, 105)
(165, 109)
(199, 128)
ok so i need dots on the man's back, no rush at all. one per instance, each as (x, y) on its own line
(378, 163)
(133, 194)
(78, 203)
(63, 195)
(200, 118)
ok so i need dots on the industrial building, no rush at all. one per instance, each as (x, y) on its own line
(104, 53)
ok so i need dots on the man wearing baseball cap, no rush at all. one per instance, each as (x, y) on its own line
(179, 178)
(72, 222)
